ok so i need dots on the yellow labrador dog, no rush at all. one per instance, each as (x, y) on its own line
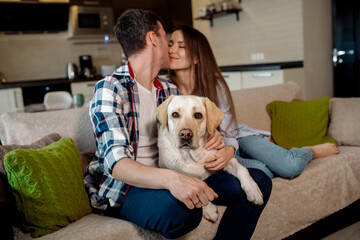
(185, 122)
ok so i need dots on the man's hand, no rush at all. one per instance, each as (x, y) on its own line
(215, 141)
(220, 159)
(191, 191)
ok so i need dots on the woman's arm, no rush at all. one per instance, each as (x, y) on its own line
(228, 131)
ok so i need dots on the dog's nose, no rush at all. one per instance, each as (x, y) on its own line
(186, 134)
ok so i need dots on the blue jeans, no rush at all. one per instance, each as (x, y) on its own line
(257, 152)
(159, 211)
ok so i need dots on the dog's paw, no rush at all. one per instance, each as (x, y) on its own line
(253, 193)
(210, 212)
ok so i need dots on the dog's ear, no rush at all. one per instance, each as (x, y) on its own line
(161, 112)
(214, 115)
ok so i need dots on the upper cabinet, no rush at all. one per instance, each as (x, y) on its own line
(34, 17)
(107, 3)
(172, 12)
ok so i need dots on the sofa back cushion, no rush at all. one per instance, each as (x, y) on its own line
(250, 104)
(26, 128)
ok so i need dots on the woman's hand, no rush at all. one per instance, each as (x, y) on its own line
(215, 141)
(219, 160)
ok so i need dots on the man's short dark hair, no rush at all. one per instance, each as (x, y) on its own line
(131, 29)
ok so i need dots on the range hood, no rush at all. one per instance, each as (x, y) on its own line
(34, 16)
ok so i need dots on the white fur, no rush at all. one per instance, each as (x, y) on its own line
(190, 161)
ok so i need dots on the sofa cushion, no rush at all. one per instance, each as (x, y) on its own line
(299, 123)
(250, 103)
(25, 128)
(344, 123)
(48, 186)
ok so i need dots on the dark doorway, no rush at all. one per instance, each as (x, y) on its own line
(346, 48)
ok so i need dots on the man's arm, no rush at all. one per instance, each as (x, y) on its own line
(186, 189)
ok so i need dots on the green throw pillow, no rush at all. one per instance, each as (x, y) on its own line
(48, 186)
(299, 123)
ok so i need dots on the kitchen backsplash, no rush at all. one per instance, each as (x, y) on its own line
(45, 56)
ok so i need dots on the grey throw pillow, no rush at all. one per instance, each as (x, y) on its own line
(344, 121)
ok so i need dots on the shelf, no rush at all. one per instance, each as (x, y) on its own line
(211, 16)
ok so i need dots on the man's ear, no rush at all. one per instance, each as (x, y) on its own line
(152, 38)
(161, 112)
(214, 115)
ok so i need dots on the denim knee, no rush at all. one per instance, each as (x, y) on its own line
(179, 222)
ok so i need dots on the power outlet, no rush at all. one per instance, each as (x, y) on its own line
(257, 57)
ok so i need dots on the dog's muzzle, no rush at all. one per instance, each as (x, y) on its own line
(186, 137)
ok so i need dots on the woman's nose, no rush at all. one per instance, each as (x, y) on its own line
(172, 49)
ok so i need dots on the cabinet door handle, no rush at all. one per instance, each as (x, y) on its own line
(15, 98)
(262, 75)
(91, 84)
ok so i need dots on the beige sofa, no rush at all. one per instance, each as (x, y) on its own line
(326, 186)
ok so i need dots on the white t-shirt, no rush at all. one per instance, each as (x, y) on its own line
(147, 144)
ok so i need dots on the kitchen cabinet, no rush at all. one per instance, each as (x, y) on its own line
(251, 79)
(11, 100)
(86, 88)
(233, 80)
(107, 3)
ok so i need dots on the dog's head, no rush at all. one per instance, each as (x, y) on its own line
(189, 119)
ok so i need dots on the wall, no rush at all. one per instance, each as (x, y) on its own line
(281, 30)
(273, 28)
(318, 66)
(44, 56)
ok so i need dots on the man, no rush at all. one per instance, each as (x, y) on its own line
(124, 123)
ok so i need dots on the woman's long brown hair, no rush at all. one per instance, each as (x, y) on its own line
(207, 72)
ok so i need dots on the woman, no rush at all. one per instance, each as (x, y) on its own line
(240, 218)
(195, 71)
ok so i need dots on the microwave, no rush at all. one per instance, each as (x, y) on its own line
(90, 21)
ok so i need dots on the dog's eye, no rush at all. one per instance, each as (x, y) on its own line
(175, 115)
(198, 115)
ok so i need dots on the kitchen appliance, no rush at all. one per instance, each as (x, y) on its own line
(86, 67)
(72, 70)
(90, 21)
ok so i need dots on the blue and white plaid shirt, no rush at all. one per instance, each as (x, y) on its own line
(114, 112)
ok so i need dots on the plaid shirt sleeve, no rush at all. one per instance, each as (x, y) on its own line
(108, 113)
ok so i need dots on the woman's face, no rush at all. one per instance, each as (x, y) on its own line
(178, 57)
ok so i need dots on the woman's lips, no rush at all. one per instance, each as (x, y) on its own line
(172, 58)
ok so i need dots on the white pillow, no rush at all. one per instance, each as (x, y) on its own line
(26, 128)
(344, 121)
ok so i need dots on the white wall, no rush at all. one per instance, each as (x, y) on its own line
(283, 30)
(271, 27)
